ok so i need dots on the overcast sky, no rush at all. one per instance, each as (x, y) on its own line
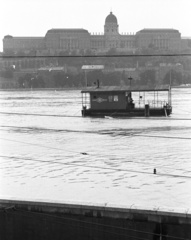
(35, 17)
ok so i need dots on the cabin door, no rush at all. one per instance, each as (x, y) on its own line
(129, 100)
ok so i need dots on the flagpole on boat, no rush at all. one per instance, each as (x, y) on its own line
(170, 102)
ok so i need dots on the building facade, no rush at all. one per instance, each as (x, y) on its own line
(57, 41)
(23, 44)
(167, 39)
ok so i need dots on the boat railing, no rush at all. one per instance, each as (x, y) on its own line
(151, 103)
(86, 100)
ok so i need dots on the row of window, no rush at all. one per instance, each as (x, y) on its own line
(111, 30)
(69, 43)
(111, 98)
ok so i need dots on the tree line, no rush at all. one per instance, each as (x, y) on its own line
(66, 80)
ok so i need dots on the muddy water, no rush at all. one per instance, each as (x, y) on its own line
(48, 152)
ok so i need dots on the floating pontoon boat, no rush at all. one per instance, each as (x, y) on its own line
(126, 101)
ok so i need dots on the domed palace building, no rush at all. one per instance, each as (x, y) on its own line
(57, 41)
(111, 39)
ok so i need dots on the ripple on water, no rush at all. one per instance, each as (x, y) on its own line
(121, 153)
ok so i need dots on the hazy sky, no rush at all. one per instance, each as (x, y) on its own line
(35, 17)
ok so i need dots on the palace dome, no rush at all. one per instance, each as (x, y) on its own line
(111, 18)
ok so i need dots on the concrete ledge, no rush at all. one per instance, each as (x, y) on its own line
(39, 220)
(90, 209)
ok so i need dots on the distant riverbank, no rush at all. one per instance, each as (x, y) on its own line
(67, 88)
(182, 86)
(42, 89)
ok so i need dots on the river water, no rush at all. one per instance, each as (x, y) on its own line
(48, 152)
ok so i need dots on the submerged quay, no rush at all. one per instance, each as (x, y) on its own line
(51, 220)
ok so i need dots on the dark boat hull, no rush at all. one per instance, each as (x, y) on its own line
(127, 113)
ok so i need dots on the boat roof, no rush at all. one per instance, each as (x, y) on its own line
(126, 88)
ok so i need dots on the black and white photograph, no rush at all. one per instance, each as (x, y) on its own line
(95, 120)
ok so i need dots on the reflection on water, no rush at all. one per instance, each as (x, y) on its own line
(49, 152)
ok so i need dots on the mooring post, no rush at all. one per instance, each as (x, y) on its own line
(83, 111)
(147, 110)
(165, 111)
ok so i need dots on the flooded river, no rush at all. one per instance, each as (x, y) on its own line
(48, 152)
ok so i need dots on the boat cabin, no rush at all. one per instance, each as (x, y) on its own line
(126, 101)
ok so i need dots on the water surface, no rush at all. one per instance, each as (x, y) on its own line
(49, 152)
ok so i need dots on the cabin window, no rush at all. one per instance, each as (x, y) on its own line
(115, 98)
(110, 98)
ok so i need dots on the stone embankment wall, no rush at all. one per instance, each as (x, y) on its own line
(39, 221)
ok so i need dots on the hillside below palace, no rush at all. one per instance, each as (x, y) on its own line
(57, 41)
